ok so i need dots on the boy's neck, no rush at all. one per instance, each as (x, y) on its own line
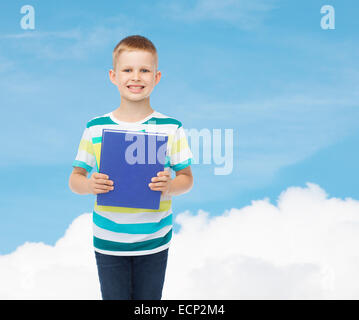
(133, 111)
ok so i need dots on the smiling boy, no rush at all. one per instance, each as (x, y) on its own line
(131, 244)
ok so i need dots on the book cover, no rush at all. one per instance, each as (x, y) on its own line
(131, 159)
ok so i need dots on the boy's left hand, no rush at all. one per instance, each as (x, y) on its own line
(162, 182)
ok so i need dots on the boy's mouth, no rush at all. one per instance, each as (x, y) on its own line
(135, 89)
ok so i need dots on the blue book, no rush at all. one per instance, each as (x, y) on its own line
(131, 159)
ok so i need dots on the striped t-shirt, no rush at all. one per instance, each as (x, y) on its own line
(133, 231)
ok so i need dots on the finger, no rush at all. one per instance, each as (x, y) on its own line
(156, 179)
(99, 175)
(103, 181)
(160, 184)
(163, 173)
(103, 186)
(157, 184)
(96, 190)
(158, 189)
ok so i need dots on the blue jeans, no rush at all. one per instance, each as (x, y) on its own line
(132, 277)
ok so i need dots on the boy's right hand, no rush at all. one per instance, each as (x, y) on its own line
(99, 183)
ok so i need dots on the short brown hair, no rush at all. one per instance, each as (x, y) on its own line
(132, 43)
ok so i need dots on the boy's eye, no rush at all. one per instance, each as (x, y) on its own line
(126, 70)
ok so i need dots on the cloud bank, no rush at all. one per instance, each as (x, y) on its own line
(304, 247)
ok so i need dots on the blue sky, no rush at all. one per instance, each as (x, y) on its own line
(266, 69)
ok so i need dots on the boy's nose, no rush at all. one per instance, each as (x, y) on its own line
(136, 75)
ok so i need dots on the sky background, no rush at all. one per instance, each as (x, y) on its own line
(265, 69)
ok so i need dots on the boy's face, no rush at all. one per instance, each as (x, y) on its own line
(135, 74)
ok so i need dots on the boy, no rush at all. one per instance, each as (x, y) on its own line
(131, 245)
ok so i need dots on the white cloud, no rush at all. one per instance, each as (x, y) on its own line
(76, 43)
(66, 270)
(302, 248)
(69, 34)
(70, 44)
(245, 14)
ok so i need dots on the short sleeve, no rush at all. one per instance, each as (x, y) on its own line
(85, 157)
(180, 153)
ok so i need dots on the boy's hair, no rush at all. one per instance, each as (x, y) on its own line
(133, 43)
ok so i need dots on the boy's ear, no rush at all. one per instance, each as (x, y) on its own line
(158, 76)
(112, 75)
